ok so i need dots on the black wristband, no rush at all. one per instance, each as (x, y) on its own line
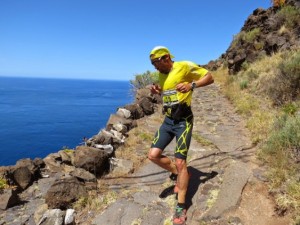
(193, 86)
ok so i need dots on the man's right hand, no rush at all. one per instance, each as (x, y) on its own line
(155, 89)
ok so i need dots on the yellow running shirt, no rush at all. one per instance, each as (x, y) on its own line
(182, 72)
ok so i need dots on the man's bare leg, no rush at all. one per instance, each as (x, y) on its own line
(182, 179)
(155, 155)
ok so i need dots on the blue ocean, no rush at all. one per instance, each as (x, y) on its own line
(41, 116)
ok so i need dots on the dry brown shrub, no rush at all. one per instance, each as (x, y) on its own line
(278, 3)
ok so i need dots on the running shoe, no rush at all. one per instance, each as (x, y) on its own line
(179, 216)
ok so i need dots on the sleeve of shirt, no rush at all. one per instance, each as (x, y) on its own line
(196, 71)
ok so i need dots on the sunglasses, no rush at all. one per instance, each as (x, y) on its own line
(155, 61)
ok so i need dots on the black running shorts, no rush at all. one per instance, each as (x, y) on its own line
(181, 129)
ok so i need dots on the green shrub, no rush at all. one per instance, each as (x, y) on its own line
(245, 65)
(282, 152)
(290, 108)
(297, 220)
(284, 141)
(142, 80)
(285, 86)
(248, 37)
(3, 183)
(251, 35)
(290, 16)
(237, 38)
(243, 84)
(258, 45)
(69, 151)
(291, 66)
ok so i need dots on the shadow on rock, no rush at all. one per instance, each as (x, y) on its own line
(197, 178)
(167, 192)
(194, 183)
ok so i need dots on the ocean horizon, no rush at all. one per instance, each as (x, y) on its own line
(39, 116)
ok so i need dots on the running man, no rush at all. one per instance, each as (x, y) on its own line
(177, 80)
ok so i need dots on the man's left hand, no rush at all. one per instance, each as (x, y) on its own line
(183, 87)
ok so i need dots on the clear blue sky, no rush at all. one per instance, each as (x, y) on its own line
(112, 39)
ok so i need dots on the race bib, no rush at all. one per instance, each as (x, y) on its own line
(170, 98)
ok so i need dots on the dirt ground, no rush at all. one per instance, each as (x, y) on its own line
(257, 206)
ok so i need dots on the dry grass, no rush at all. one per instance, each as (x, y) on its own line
(95, 201)
(283, 30)
(281, 152)
(260, 124)
(274, 78)
(252, 92)
(136, 146)
(255, 109)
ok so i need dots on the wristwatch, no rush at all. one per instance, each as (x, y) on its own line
(193, 85)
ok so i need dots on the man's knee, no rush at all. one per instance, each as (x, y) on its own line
(180, 164)
(154, 154)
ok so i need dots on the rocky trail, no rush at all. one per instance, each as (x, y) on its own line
(227, 185)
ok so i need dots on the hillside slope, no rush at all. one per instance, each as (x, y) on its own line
(265, 32)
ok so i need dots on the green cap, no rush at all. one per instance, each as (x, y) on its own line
(159, 51)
